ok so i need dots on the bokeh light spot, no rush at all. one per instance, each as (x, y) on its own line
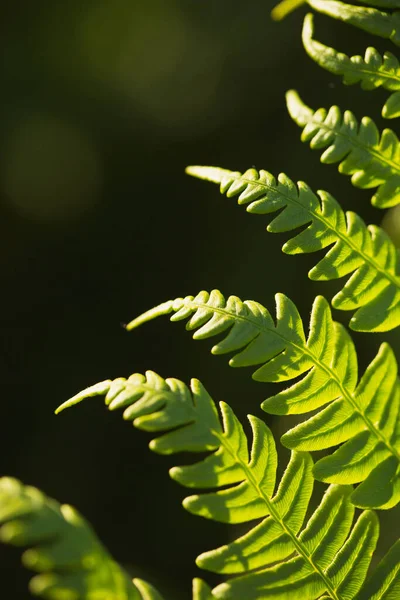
(391, 224)
(153, 55)
(49, 170)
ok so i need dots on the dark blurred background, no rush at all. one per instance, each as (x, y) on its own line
(104, 103)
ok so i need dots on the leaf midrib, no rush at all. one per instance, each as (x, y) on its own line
(375, 74)
(273, 512)
(354, 67)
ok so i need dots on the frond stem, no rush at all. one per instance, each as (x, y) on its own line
(296, 542)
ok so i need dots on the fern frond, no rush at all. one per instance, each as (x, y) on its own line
(373, 289)
(382, 24)
(362, 415)
(328, 555)
(371, 72)
(72, 563)
(157, 404)
(372, 160)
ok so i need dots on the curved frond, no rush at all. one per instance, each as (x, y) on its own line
(360, 415)
(367, 253)
(279, 557)
(285, 7)
(71, 562)
(157, 404)
(371, 72)
(382, 24)
(371, 159)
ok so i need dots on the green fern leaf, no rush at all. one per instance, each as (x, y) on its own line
(371, 160)
(371, 72)
(366, 252)
(171, 404)
(285, 7)
(382, 24)
(362, 416)
(384, 583)
(72, 563)
(147, 591)
(328, 555)
(201, 591)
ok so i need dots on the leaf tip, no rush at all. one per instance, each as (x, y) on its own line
(194, 170)
(284, 8)
(189, 503)
(162, 309)
(213, 174)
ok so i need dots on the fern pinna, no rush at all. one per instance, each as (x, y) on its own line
(360, 413)
(371, 20)
(72, 563)
(365, 252)
(373, 160)
(278, 558)
(371, 72)
(370, 158)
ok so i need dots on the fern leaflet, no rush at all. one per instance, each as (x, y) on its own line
(285, 7)
(393, 4)
(382, 24)
(327, 556)
(372, 71)
(385, 581)
(371, 160)
(363, 415)
(201, 591)
(72, 563)
(367, 252)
